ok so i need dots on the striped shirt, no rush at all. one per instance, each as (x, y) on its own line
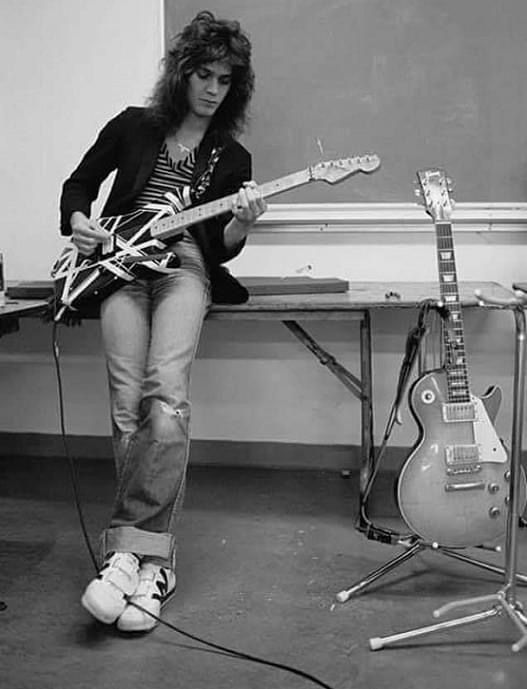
(168, 176)
(173, 176)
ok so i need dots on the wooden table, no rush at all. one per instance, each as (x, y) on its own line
(13, 309)
(356, 304)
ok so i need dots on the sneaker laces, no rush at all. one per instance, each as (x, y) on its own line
(153, 582)
(120, 570)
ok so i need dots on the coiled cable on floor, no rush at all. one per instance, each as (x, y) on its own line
(413, 343)
(230, 652)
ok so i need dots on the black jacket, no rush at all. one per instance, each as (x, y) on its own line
(130, 144)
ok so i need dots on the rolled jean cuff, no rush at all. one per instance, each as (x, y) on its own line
(130, 539)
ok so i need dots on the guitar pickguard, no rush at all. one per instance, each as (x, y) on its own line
(485, 436)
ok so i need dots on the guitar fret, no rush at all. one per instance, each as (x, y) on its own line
(168, 226)
(453, 335)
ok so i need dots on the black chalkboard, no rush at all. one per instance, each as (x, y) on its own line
(422, 83)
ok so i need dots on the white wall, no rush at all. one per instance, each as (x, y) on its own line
(70, 65)
(67, 66)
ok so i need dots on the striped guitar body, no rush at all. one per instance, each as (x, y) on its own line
(81, 281)
(140, 241)
(454, 487)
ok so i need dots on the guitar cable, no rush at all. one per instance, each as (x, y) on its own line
(413, 344)
(212, 647)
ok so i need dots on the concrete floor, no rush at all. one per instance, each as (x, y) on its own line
(262, 555)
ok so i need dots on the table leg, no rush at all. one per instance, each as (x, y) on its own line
(366, 369)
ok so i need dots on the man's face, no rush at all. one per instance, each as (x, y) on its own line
(207, 88)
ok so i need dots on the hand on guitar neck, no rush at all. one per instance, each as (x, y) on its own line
(247, 207)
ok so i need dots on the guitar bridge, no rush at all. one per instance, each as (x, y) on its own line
(462, 470)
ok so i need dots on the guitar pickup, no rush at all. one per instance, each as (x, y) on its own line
(462, 454)
(459, 411)
(108, 247)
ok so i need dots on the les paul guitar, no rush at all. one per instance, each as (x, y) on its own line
(138, 239)
(453, 489)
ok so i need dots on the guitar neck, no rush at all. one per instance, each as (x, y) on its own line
(170, 226)
(453, 332)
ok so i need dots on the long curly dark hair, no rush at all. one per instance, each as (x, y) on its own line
(205, 40)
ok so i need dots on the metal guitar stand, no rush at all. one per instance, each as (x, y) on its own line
(411, 543)
(504, 600)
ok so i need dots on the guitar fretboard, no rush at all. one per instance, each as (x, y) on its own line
(169, 226)
(453, 333)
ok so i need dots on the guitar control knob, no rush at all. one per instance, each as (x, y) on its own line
(428, 396)
(493, 487)
(507, 500)
(494, 512)
(507, 475)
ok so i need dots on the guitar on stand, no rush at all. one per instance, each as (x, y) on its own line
(453, 488)
(139, 239)
(473, 416)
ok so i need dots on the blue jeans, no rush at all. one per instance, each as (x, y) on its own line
(151, 329)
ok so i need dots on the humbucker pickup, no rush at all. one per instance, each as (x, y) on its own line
(459, 411)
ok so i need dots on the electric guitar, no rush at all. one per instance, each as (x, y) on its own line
(453, 489)
(138, 239)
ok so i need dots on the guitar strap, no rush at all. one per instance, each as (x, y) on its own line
(202, 183)
(413, 345)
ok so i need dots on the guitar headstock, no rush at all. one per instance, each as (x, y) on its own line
(333, 171)
(433, 191)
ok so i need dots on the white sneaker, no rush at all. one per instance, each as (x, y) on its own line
(156, 586)
(104, 596)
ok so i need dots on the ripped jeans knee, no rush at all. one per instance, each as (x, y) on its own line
(167, 418)
(151, 485)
